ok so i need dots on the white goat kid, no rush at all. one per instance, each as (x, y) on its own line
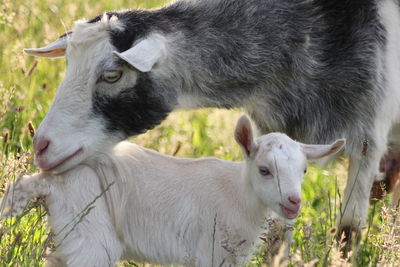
(166, 210)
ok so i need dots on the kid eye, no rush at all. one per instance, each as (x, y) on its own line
(264, 171)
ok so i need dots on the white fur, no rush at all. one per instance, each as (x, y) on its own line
(166, 210)
(361, 176)
(391, 18)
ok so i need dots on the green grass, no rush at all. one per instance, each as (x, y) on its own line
(27, 86)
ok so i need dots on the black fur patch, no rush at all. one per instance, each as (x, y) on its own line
(135, 110)
(137, 24)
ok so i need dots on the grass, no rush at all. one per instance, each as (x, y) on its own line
(27, 86)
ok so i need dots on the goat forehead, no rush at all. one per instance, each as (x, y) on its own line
(279, 147)
(86, 32)
(89, 55)
(90, 43)
(278, 140)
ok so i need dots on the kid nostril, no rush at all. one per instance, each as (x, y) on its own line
(294, 200)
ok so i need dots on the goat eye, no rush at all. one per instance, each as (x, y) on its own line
(111, 76)
(305, 170)
(264, 171)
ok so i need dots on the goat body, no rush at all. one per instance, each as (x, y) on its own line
(161, 215)
(316, 70)
(135, 203)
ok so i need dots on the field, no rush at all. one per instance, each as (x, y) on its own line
(27, 87)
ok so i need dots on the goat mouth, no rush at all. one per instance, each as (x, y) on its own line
(289, 213)
(62, 161)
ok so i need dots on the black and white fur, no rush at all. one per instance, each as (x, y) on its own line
(317, 70)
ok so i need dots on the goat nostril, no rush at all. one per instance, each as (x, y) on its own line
(41, 146)
(294, 200)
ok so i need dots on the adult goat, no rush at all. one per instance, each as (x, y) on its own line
(317, 70)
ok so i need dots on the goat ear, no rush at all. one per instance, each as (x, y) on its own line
(55, 49)
(144, 54)
(244, 135)
(314, 152)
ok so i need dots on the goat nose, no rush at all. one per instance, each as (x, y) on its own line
(40, 145)
(294, 200)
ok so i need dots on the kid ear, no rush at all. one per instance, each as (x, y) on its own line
(314, 152)
(244, 135)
